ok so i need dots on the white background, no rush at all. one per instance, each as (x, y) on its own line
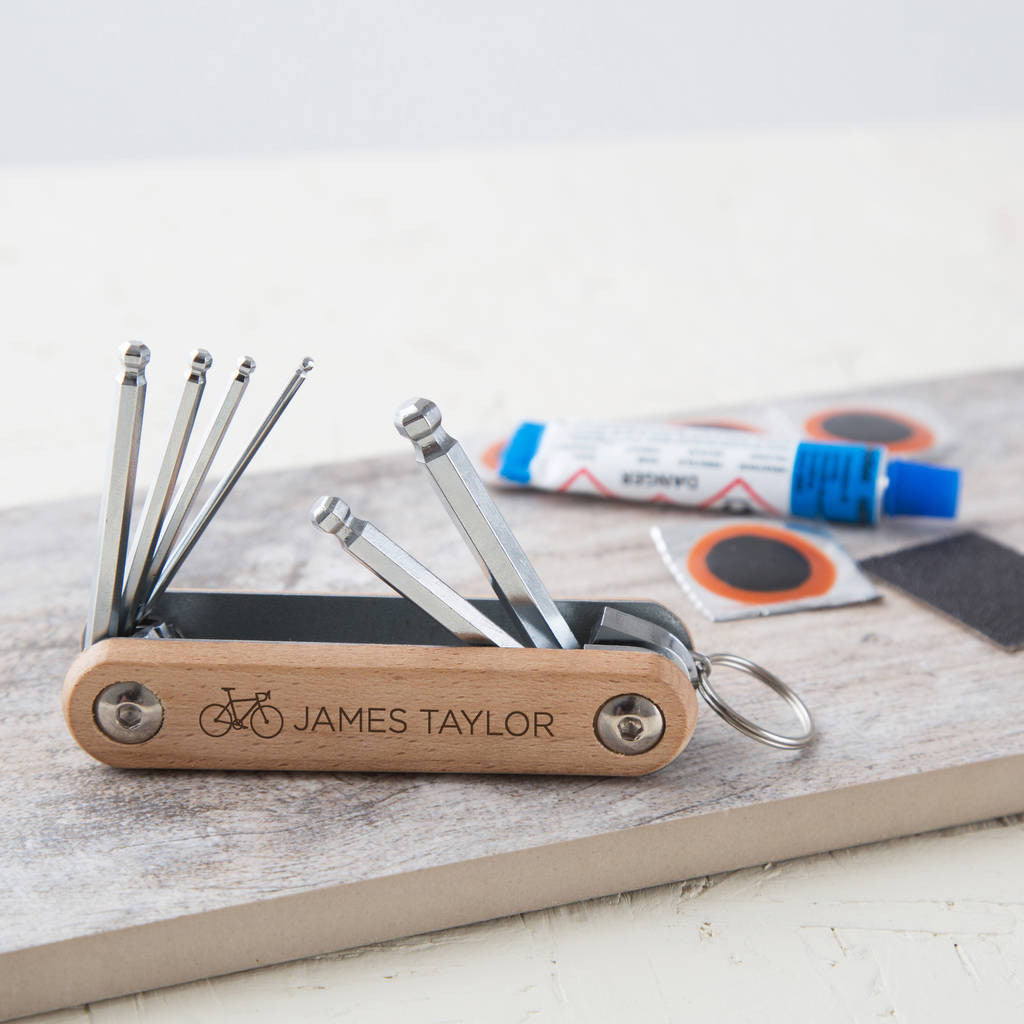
(521, 210)
(113, 79)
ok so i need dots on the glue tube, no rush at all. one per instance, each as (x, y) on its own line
(726, 471)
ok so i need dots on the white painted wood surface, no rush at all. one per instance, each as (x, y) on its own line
(869, 257)
(922, 929)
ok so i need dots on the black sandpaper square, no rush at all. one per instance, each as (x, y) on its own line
(975, 580)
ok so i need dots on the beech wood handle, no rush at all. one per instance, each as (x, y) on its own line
(369, 707)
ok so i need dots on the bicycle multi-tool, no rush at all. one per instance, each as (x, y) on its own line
(425, 681)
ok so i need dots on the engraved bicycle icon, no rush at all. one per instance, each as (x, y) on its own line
(263, 718)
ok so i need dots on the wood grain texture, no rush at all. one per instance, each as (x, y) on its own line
(921, 724)
(378, 708)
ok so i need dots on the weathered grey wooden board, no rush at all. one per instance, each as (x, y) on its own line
(115, 881)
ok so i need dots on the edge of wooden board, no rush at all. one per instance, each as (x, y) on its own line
(258, 934)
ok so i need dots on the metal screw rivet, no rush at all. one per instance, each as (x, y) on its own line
(128, 712)
(629, 724)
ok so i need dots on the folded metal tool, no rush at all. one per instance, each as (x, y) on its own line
(427, 681)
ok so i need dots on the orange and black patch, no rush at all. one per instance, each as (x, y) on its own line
(759, 564)
(894, 431)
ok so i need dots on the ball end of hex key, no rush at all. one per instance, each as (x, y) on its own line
(419, 420)
(201, 362)
(134, 356)
(305, 367)
(332, 515)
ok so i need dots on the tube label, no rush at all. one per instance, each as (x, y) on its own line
(696, 467)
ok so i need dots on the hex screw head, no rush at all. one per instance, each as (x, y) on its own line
(128, 712)
(129, 715)
(631, 728)
(629, 724)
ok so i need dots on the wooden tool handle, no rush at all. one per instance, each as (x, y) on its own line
(363, 707)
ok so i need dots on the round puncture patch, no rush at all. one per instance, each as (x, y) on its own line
(896, 431)
(760, 564)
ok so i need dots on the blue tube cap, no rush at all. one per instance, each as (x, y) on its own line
(916, 489)
(519, 453)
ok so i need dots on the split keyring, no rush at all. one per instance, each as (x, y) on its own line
(757, 732)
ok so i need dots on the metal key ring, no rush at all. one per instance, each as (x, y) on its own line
(738, 721)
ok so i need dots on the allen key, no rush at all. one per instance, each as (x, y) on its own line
(116, 503)
(185, 497)
(158, 499)
(214, 502)
(400, 571)
(472, 509)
